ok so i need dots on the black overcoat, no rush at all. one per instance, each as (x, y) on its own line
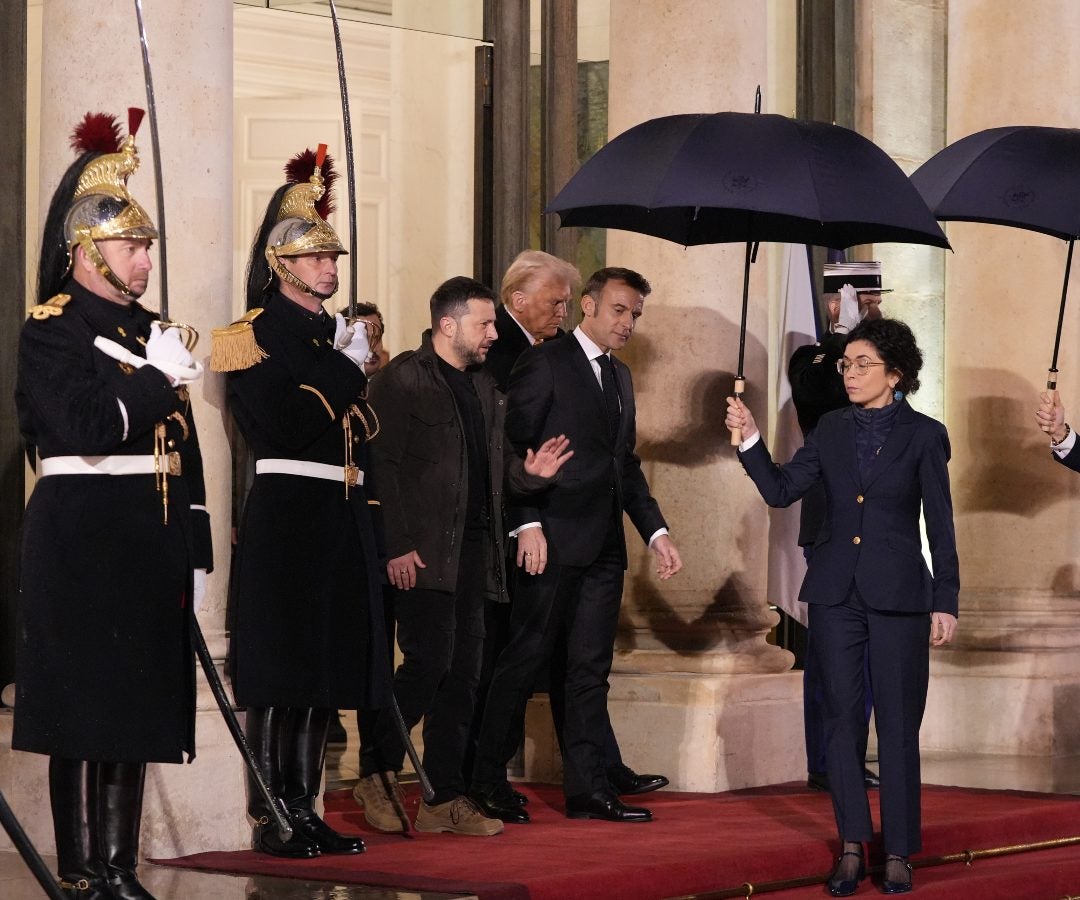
(306, 588)
(104, 665)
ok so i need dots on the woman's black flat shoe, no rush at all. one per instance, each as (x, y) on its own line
(891, 886)
(840, 883)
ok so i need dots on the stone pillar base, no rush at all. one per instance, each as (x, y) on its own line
(706, 733)
(186, 808)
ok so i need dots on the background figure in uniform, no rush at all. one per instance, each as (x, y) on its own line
(869, 591)
(441, 462)
(308, 636)
(104, 667)
(852, 292)
(571, 545)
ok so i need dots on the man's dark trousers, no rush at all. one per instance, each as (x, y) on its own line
(441, 636)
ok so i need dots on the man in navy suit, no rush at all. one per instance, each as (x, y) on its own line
(571, 546)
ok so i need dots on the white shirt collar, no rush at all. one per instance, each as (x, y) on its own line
(592, 351)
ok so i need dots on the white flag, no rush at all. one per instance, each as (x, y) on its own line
(798, 326)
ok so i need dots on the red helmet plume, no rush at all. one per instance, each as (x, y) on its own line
(98, 132)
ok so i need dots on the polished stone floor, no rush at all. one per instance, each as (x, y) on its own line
(1058, 775)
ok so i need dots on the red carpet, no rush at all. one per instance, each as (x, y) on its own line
(697, 843)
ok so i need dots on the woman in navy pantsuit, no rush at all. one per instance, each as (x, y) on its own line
(867, 585)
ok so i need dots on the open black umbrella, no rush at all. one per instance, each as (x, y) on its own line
(721, 177)
(1024, 176)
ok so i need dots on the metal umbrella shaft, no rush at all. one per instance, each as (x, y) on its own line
(281, 821)
(29, 853)
(1051, 375)
(740, 378)
(350, 161)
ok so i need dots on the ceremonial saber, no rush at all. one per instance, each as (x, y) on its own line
(191, 336)
(276, 806)
(350, 173)
(29, 853)
(350, 161)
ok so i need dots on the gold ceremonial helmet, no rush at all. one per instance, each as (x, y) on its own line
(103, 210)
(300, 229)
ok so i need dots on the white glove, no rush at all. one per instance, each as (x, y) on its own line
(166, 352)
(198, 593)
(352, 340)
(850, 315)
(175, 374)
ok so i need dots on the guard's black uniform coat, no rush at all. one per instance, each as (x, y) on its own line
(308, 629)
(104, 666)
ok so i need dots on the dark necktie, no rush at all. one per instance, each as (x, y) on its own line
(611, 394)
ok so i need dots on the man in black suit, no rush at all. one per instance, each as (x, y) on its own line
(571, 547)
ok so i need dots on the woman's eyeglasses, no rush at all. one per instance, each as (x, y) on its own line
(862, 365)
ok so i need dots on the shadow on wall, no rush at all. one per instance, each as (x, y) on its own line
(1011, 470)
(680, 359)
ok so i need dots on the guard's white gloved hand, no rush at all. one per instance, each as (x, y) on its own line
(165, 351)
(352, 340)
(198, 593)
(176, 374)
(850, 314)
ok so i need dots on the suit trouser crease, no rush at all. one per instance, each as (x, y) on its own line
(578, 608)
(897, 646)
(441, 636)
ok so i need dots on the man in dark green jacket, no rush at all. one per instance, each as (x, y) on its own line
(441, 461)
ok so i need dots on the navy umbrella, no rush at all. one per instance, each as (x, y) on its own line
(721, 177)
(1024, 176)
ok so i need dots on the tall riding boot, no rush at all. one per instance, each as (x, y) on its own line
(264, 732)
(73, 794)
(120, 796)
(303, 767)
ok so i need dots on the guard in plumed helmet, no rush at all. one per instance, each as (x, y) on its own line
(116, 538)
(308, 630)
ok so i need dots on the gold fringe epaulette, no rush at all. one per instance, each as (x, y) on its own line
(234, 347)
(54, 306)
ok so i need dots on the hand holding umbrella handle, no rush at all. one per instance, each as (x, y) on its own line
(740, 388)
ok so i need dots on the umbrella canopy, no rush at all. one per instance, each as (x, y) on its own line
(714, 178)
(1025, 176)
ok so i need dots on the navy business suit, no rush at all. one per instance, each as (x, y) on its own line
(869, 591)
(576, 600)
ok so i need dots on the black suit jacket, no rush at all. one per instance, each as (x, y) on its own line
(506, 350)
(870, 535)
(553, 391)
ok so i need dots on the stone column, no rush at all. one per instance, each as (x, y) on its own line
(91, 62)
(697, 693)
(1010, 683)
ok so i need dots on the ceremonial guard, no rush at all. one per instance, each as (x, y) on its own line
(308, 635)
(116, 524)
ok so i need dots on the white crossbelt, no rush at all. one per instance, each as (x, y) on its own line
(304, 468)
(95, 465)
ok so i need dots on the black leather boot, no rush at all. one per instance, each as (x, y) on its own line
(303, 776)
(73, 795)
(120, 795)
(265, 731)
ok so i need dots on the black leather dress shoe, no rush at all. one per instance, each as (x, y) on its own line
(608, 807)
(625, 780)
(817, 781)
(265, 839)
(519, 798)
(870, 779)
(310, 827)
(500, 802)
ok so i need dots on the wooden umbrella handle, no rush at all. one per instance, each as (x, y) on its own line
(740, 387)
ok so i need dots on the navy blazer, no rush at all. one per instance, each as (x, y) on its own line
(870, 536)
(553, 391)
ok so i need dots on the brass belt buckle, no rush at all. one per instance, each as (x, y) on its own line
(173, 464)
(352, 476)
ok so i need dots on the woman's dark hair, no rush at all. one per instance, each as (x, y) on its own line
(53, 263)
(895, 343)
(260, 280)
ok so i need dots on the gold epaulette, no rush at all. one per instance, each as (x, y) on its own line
(234, 347)
(52, 307)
